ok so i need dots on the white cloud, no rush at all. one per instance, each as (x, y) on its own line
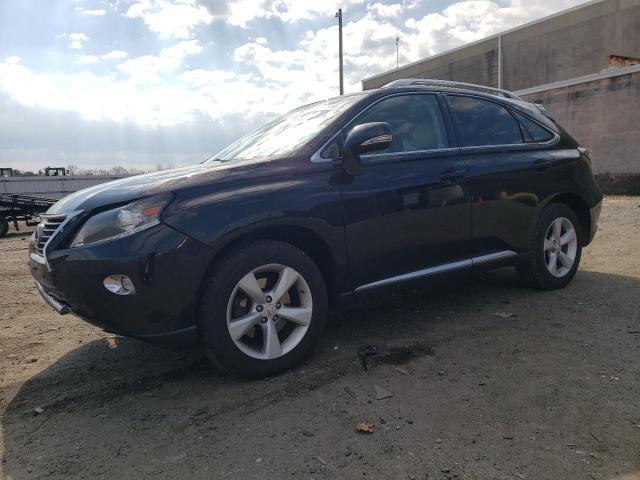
(310, 71)
(76, 40)
(115, 55)
(99, 97)
(201, 77)
(153, 93)
(170, 19)
(182, 49)
(88, 59)
(383, 10)
(241, 12)
(99, 12)
(112, 55)
(12, 60)
(151, 68)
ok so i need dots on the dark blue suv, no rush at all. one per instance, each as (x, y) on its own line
(245, 253)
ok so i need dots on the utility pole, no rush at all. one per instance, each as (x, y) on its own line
(499, 61)
(339, 17)
(397, 51)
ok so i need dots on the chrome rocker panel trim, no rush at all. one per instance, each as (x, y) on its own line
(61, 308)
(446, 267)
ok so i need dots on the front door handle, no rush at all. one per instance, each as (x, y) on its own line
(452, 176)
(542, 165)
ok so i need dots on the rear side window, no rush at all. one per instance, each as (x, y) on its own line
(481, 122)
(533, 132)
(415, 120)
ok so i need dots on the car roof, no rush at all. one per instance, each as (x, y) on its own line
(445, 86)
(421, 88)
(448, 84)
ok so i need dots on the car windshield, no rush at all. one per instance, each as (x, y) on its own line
(287, 133)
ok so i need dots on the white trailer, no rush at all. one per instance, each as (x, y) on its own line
(54, 187)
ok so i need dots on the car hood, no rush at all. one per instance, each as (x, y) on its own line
(139, 186)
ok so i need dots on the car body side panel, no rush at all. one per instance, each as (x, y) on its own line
(287, 193)
(509, 185)
(508, 193)
(401, 217)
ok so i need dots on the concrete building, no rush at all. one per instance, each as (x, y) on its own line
(582, 64)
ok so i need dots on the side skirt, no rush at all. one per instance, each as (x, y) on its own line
(482, 260)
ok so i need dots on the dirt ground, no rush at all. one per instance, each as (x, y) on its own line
(551, 392)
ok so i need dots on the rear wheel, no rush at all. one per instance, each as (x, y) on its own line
(4, 226)
(556, 249)
(263, 309)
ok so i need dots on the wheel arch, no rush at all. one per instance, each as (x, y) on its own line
(579, 206)
(302, 237)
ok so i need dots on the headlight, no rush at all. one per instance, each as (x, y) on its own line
(121, 221)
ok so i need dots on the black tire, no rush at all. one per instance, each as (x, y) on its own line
(216, 294)
(4, 226)
(535, 272)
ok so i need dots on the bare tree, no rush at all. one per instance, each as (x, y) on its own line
(118, 170)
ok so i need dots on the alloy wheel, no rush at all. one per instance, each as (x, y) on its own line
(560, 247)
(269, 311)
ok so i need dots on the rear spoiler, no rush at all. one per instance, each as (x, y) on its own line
(540, 107)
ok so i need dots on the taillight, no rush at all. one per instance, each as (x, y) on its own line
(584, 150)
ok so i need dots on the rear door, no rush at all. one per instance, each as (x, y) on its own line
(409, 209)
(509, 159)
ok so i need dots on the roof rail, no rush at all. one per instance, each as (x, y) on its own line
(425, 82)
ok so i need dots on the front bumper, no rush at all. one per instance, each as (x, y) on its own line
(59, 306)
(166, 267)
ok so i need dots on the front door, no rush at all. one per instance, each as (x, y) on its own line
(409, 210)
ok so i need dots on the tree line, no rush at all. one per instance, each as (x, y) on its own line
(116, 171)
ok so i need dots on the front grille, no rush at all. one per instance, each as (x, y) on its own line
(46, 229)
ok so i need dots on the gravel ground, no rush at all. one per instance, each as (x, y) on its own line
(547, 389)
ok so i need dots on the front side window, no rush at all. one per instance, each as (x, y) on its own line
(287, 133)
(416, 122)
(482, 122)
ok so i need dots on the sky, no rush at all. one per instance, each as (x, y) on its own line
(144, 83)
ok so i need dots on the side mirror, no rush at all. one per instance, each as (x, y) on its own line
(365, 138)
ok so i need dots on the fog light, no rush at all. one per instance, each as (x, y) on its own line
(119, 284)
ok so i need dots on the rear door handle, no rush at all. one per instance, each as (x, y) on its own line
(452, 176)
(542, 165)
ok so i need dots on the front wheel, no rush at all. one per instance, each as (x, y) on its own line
(556, 249)
(263, 308)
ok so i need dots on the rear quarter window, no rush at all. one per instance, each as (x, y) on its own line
(483, 122)
(533, 131)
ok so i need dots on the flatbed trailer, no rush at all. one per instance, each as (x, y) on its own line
(21, 208)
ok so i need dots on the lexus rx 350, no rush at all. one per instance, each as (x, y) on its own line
(244, 254)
